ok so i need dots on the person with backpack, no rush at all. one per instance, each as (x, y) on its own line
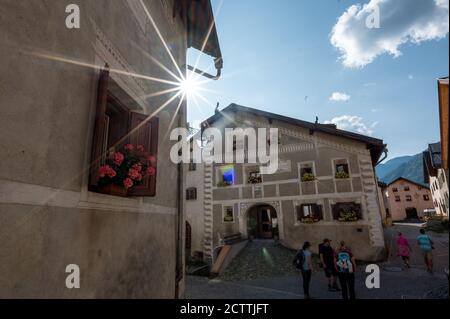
(326, 253)
(403, 249)
(303, 262)
(346, 265)
(426, 246)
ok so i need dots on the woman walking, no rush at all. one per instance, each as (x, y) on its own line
(403, 249)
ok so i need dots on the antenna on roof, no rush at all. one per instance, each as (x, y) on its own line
(217, 108)
(317, 120)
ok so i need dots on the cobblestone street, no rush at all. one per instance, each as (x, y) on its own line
(264, 270)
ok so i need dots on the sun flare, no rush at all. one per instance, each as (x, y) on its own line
(189, 86)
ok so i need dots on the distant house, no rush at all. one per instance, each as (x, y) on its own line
(69, 98)
(325, 187)
(407, 199)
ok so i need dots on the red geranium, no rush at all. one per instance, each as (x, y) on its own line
(127, 167)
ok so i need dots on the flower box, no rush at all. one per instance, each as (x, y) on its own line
(341, 175)
(125, 169)
(309, 220)
(308, 177)
(113, 189)
(223, 184)
(348, 217)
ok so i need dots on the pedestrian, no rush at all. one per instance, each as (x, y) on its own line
(346, 267)
(303, 262)
(326, 253)
(426, 246)
(403, 249)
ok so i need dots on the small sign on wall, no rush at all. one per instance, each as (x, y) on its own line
(284, 166)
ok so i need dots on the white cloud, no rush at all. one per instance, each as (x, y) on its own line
(352, 123)
(376, 110)
(401, 21)
(339, 97)
(411, 77)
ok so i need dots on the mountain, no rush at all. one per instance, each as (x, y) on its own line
(391, 165)
(410, 167)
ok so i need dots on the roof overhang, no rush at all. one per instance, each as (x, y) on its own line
(444, 120)
(201, 30)
(375, 146)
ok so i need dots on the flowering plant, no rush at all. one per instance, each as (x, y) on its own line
(350, 216)
(309, 220)
(127, 167)
(308, 177)
(342, 174)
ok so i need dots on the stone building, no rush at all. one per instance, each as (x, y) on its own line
(407, 199)
(435, 175)
(68, 97)
(325, 186)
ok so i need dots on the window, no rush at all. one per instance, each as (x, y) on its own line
(228, 214)
(397, 198)
(254, 177)
(408, 198)
(341, 169)
(309, 213)
(406, 188)
(307, 173)
(426, 197)
(192, 167)
(115, 126)
(350, 211)
(227, 176)
(191, 193)
(395, 189)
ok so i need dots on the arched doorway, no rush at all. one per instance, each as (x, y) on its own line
(262, 222)
(411, 213)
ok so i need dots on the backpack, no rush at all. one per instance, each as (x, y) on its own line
(344, 262)
(299, 259)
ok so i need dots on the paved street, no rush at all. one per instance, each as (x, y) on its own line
(264, 270)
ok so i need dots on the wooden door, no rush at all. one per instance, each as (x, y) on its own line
(264, 222)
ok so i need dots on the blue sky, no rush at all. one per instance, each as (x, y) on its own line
(277, 53)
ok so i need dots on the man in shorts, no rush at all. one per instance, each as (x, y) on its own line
(326, 253)
(426, 246)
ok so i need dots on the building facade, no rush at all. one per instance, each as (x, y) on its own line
(407, 199)
(68, 98)
(437, 177)
(324, 187)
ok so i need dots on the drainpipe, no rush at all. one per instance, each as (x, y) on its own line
(179, 271)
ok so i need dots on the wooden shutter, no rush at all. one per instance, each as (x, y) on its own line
(318, 213)
(99, 142)
(144, 131)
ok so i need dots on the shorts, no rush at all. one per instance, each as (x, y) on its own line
(330, 271)
(428, 254)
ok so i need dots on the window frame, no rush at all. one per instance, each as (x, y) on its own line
(224, 214)
(137, 128)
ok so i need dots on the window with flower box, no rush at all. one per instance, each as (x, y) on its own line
(341, 169)
(254, 177)
(347, 212)
(307, 172)
(125, 144)
(226, 176)
(309, 213)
